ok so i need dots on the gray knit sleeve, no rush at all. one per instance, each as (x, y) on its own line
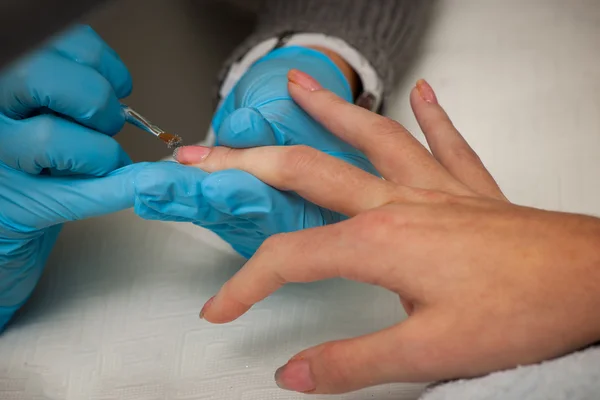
(383, 31)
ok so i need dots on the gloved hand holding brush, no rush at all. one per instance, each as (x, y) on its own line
(59, 108)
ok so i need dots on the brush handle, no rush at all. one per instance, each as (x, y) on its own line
(136, 119)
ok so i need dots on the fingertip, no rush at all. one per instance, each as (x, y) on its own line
(106, 115)
(425, 92)
(191, 155)
(424, 109)
(414, 96)
(123, 84)
(221, 310)
(316, 102)
(303, 80)
(297, 92)
(296, 376)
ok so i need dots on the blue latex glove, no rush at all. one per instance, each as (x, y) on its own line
(58, 162)
(259, 112)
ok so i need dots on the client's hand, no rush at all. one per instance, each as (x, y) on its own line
(259, 112)
(487, 285)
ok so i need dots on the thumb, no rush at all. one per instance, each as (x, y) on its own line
(387, 356)
(43, 201)
(246, 127)
(93, 197)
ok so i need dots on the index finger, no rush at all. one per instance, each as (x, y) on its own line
(320, 178)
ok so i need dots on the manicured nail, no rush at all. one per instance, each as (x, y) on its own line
(206, 307)
(426, 92)
(303, 80)
(191, 154)
(295, 376)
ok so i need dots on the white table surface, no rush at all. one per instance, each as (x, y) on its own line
(116, 314)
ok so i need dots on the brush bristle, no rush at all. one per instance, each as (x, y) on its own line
(174, 143)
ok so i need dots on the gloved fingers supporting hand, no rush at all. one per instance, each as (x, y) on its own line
(47, 141)
(264, 89)
(243, 196)
(245, 127)
(236, 205)
(260, 112)
(84, 46)
(168, 191)
(63, 199)
(49, 81)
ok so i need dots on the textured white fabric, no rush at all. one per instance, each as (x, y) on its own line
(116, 315)
(574, 377)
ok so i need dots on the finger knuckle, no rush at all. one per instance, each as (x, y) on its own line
(437, 123)
(100, 88)
(464, 153)
(43, 128)
(377, 224)
(335, 101)
(26, 70)
(384, 127)
(102, 98)
(337, 364)
(296, 161)
(272, 244)
(92, 53)
(433, 196)
(331, 102)
(225, 159)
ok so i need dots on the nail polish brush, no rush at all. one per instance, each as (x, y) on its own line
(134, 118)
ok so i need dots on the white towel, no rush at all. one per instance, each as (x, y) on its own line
(572, 377)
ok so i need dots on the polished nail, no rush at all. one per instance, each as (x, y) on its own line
(191, 154)
(206, 307)
(426, 91)
(304, 80)
(295, 376)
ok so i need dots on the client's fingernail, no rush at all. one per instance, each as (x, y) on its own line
(206, 307)
(426, 92)
(295, 376)
(303, 80)
(191, 154)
